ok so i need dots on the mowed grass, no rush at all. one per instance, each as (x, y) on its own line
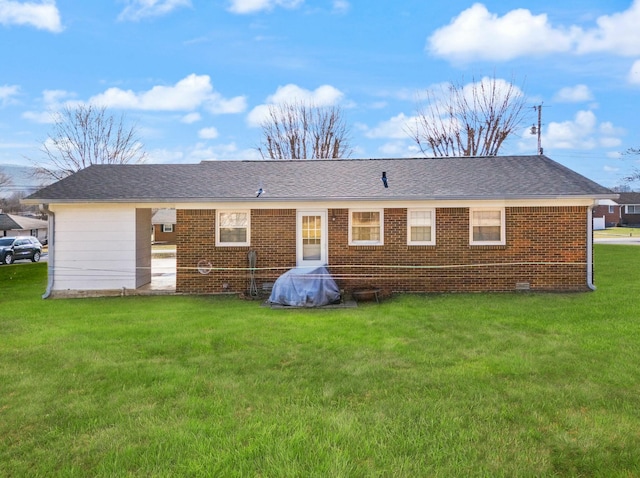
(522, 384)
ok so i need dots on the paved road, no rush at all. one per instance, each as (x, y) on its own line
(633, 241)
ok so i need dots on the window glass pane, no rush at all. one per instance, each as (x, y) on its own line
(233, 235)
(486, 233)
(486, 218)
(365, 226)
(421, 233)
(311, 238)
(487, 226)
(420, 218)
(366, 218)
(233, 219)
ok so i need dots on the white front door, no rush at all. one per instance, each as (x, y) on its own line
(312, 238)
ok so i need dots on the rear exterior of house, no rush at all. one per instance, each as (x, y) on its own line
(543, 248)
(441, 225)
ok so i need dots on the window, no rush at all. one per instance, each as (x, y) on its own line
(232, 228)
(421, 227)
(486, 227)
(633, 209)
(167, 228)
(611, 209)
(366, 227)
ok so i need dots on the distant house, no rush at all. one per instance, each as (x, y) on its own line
(14, 225)
(629, 209)
(164, 226)
(606, 214)
(434, 225)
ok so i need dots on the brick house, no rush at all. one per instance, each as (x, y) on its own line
(629, 209)
(434, 224)
(608, 212)
(163, 222)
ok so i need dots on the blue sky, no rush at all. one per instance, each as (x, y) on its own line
(195, 76)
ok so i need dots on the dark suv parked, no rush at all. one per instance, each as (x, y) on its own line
(20, 247)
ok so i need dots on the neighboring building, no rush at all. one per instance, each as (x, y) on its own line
(629, 209)
(606, 214)
(441, 225)
(164, 226)
(13, 225)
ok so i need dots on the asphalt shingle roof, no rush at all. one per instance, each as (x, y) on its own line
(11, 222)
(501, 177)
(7, 223)
(629, 198)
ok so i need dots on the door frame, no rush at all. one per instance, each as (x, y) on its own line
(324, 239)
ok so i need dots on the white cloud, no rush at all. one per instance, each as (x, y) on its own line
(43, 117)
(395, 128)
(583, 132)
(325, 95)
(43, 15)
(341, 6)
(399, 149)
(253, 6)
(634, 73)
(617, 34)
(574, 94)
(191, 118)
(208, 133)
(477, 34)
(188, 94)
(7, 93)
(139, 9)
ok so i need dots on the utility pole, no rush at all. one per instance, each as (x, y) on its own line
(537, 130)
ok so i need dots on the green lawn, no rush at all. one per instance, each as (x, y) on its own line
(617, 232)
(517, 385)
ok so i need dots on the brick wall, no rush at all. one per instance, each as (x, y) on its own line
(545, 250)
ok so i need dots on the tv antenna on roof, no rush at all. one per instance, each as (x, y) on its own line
(537, 130)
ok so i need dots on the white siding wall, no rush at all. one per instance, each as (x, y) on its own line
(95, 247)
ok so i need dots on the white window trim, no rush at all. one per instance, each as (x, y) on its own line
(167, 228)
(432, 242)
(366, 243)
(503, 236)
(634, 206)
(233, 244)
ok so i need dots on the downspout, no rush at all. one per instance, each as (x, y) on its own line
(590, 283)
(52, 237)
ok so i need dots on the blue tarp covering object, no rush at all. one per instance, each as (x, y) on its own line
(305, 287)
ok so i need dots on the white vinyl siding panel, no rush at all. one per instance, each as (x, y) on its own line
(95, 247)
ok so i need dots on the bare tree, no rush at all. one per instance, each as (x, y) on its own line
(471, 120)
(87, 135)
(5, 181)
(635, 172)
(302, 131)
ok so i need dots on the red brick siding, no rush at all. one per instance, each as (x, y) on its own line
(545, 247)
(166, 237)
(273, 237)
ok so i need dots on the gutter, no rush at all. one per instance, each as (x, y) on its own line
(51, 244)
(590, 283)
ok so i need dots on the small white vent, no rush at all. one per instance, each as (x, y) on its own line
(523, 286)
